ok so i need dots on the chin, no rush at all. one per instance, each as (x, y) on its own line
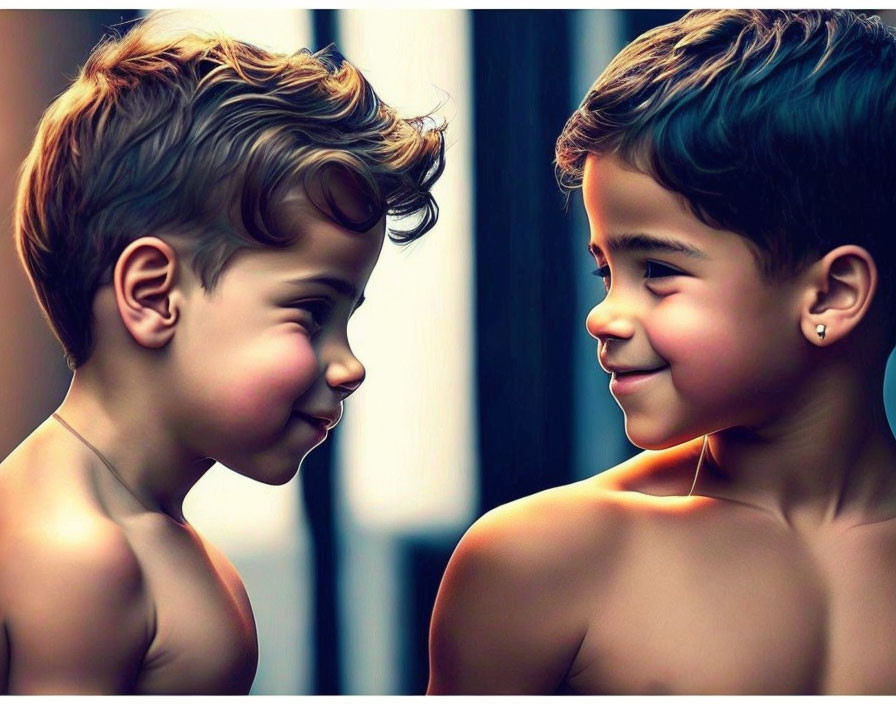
(276, 464)
(280, 478)
(269, 472)
(276, 477)
(649, 437)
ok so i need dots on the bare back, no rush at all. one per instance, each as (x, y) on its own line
(610, 586)
(98, 595)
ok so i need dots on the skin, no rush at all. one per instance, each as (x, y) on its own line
(108, 589)
(777, 575)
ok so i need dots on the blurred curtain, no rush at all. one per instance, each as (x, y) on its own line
(524, 289)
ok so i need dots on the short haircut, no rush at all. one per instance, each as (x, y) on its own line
(776, 125)
(199, 135)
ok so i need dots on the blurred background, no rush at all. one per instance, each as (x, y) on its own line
(482, 383)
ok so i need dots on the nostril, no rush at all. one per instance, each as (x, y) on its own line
(352, 385)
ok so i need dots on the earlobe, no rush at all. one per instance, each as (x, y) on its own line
(143, 281)
(841, 287)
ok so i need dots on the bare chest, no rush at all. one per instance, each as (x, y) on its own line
(727, 616)
(204, 631)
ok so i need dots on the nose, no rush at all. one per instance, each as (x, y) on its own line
(345, 374)
(608, 320)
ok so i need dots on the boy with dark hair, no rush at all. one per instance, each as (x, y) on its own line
(738, 169)
(198, 218)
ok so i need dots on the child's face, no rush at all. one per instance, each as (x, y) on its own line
(697, 340)
(263, 361)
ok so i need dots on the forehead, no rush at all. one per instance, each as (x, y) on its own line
(624, 204)
(615, 193)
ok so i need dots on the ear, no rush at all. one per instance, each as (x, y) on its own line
(143, 281)
(840, 289)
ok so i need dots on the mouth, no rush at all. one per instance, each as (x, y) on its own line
(323, 423)
(635, 372)
(628, 381)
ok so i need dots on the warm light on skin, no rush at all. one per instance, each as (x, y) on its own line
(687, 300)
(278, 318)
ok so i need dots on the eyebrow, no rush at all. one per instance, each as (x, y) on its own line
(639, 241)
(341, 286)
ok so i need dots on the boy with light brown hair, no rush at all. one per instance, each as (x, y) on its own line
(738, 169)
(198, 218)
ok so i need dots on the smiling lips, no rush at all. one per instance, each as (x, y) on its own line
(625, 381)
(324, 423)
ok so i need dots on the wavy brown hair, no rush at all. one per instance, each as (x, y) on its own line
(199, 135)
(776, 125)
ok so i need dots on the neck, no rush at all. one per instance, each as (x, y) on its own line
(829, 455)
(130, 433)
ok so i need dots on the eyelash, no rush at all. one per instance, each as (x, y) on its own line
(652, 270)
(318, 310)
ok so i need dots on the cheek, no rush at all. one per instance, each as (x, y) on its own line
(271, 375)
(249, 388)
(721, 350)
(694, 336)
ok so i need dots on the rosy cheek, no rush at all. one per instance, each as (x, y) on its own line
(700, 345)
(288, 367)
(678, 333)
(272, 377)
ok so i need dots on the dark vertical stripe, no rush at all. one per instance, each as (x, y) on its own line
(524, 289)
(424, 559)
(319, 499)
(318, 495)
(326, 28)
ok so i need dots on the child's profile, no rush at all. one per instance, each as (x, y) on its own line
(738, 169)
(198, 218)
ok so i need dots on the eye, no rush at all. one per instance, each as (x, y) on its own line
(657, 270)
(604, 273)
(316, 313)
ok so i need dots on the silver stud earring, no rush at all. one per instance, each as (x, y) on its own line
(821, 331)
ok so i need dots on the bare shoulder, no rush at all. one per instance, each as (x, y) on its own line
(76, 610)
(523, 584)
(513, 606)
(87, 545)
(49, 511)
(557, 530)
(552, 529)
(72, 594)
